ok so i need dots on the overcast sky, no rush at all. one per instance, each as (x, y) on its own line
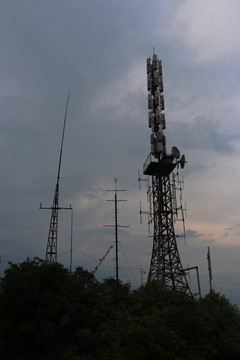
(98, 49)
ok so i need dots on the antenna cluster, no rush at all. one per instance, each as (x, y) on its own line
(156, 117)
(165, 263)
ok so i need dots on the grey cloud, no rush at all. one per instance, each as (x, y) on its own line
(199, 238)
(202, 133)
(196, 167)
(234, 227)
(207, 241)
(193, 234)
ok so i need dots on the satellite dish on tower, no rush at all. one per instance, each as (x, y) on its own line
(182, 161)
(175, 152)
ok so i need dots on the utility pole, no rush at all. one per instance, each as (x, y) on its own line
(71, 240)
(209, 268)
(51, 251)
(116, 226)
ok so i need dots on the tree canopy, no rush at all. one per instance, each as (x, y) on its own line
(48, 313)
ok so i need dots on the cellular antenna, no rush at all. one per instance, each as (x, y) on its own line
(165, 265)
(51, 251)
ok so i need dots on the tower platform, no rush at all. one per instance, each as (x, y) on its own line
(162, 167)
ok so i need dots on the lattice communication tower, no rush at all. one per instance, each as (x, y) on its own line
(52, 242)
(165, 265)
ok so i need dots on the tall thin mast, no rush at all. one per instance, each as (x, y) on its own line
(116, 225)
(209, 268)
(51, 251)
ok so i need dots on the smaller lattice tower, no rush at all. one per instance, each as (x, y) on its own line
(51, 250)
(165, 263)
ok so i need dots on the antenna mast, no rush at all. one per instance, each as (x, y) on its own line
(51, 251)
(116, 226)
(165, 265)
(209, 268)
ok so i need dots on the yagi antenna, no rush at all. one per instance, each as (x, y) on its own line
(146, 213)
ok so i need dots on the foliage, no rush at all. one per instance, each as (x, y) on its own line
(49, 313)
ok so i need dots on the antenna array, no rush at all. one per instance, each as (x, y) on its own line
(165, 263)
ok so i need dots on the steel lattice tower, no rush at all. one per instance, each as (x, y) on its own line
(165, 264)
(51, 250)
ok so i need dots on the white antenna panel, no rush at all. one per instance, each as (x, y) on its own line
(160, 83)
(150, 101)
(162, 105)
(155, 78)
(160, 118)
(157, 97)
(150, 119)
(149, 84)
(155, 62)
(157, 100)
(161, 138)
(160, 67)
(148, 65)
(163, 121)
(160, 147)
(149, 81)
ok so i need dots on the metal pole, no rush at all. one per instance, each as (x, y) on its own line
(199, 289)
(198, 280)
(71, 241)
(116, 228)
(209, 268)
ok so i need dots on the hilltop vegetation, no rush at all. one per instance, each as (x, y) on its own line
(47, 313)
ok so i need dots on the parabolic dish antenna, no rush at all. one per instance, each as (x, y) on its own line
(175, 152)
(182, 161)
